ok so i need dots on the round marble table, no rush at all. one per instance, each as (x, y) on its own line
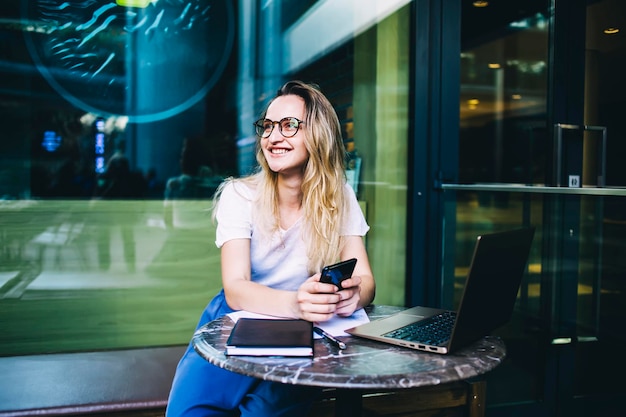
(364, 365)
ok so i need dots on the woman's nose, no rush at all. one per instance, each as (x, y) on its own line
(275, 136)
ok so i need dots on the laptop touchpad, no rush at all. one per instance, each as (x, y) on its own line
(391, 323)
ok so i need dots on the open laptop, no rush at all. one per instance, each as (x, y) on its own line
(495, 274)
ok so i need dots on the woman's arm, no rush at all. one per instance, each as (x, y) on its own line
(314, 301)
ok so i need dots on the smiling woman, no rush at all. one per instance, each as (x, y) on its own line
(276, 229)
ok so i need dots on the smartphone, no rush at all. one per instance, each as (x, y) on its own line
(336, 273)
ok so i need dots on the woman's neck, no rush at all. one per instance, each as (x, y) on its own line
(289, 201)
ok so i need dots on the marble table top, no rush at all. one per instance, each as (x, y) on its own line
(364, 364)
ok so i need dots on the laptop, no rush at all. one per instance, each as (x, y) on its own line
(495, 274)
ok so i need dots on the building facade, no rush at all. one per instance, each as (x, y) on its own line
(460, 117)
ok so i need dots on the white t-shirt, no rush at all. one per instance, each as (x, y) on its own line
(282, 262)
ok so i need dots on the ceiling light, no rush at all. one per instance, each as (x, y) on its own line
(611, 31)
(473, 102)
(516, 96)
(494, 66)
(481, 3)
(142, 4)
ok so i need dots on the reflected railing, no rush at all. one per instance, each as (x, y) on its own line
(108, 274)
(599, 267)
(104, 274)
(568, 297)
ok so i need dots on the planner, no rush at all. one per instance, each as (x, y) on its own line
(270, 337)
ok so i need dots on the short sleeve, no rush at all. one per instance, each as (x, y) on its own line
(355, 224)
(233, 214)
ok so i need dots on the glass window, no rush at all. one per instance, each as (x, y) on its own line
(121, 118)
(503, 95)
(570, 299)
(503, 141)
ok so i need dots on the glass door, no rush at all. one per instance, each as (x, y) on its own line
(601, 296)
(541, 140)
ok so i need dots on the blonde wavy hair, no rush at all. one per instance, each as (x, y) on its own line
(324, 203)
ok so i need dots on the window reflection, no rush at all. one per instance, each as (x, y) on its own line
(148, 62)
(503, 103)
(106, 234)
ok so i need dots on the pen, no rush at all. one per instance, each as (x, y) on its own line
(329, 337)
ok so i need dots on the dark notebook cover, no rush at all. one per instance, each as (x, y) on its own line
(268, 337)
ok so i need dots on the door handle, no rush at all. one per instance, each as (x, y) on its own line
(558, 154)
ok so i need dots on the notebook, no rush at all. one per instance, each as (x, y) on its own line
(270, 337)
(491, 286)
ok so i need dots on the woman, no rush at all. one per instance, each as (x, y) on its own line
(276, 230)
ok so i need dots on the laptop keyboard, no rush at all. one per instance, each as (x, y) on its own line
(434, 330)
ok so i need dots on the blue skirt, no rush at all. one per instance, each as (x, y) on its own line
(202, 389)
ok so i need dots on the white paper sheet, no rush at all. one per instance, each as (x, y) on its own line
(334, 326)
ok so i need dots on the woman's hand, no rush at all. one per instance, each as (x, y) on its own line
(319, 302)
(316, 300)
(350, 296)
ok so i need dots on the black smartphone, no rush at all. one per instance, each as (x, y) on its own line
(336, 273)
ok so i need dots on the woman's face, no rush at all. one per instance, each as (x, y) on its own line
(285, 155)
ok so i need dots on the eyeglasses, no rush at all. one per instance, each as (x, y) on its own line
(288, 127)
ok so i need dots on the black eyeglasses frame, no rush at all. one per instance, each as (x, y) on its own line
(261, 131)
